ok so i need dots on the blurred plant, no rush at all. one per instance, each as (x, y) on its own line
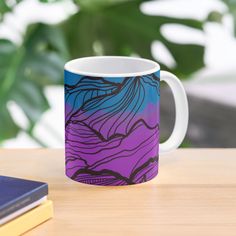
(24, 72)
(101, 27)
(216, 16)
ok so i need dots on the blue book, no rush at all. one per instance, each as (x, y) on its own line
(16, 194)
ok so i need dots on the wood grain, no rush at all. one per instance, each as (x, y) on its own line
(194, 194)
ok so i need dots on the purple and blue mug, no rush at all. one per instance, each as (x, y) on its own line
(112, 119)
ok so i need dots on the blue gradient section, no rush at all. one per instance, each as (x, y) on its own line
(138, 92)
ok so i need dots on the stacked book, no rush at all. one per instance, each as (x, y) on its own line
(23, 205)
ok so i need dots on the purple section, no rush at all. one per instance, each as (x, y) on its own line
(120, 154)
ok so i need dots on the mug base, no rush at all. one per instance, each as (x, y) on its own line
(104, 181)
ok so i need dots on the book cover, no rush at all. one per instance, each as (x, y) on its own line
(17, 193)
(28, 221)
(22, 211)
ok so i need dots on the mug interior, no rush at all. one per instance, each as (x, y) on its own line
(112, 66)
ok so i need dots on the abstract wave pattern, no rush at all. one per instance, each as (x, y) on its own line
(111, 128)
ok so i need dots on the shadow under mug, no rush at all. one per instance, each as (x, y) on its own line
(112, 119)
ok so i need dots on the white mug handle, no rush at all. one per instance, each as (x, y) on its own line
(181, 111)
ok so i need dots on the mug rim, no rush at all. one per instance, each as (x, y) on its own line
(72, 66)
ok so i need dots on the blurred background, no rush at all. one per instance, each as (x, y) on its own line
(195, 39)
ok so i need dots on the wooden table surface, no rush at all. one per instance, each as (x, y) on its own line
(194, 194)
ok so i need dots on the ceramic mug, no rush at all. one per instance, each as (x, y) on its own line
(112, 119)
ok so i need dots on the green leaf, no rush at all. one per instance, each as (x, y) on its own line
(120, 28)
(7, 6)
(31, 99)
(8, 128)
(215, 16)
(26, 70)
(4, 8)
(189, 58)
